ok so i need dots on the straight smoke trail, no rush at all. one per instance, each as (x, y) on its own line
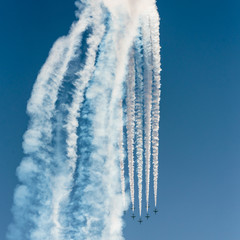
(121, 154)
(147, 50)
(131, 124)
(154, 22)
(72, 177)
(139, 118)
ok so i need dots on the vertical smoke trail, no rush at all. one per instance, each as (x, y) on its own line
(67, 195)
(100, 195)
(125, 42)
(80, 85)
(121, 153)
(130, 123)
(147, 97)
(33, 199)
(64, 179)
(104, 95)
(78, 96)
(139, 117)
(154, 27)
(97, 216)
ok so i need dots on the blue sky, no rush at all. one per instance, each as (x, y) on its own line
(199, 173)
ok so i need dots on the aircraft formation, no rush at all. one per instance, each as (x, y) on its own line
(140, 220)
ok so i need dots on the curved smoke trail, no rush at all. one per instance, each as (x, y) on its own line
(72, 177)
(35, 169)
(83, 78)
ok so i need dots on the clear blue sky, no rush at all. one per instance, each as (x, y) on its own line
(199, 180)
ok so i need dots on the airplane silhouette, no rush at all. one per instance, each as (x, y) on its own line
(147, 216)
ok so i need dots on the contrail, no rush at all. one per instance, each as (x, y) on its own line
(72, 177)
(135, 9)
(37, 145)
(121, 154)
(104, 102)
(147, 50)
(78, 94)
(101, 192)
(131, 123)
(64, 180)
(154, 26)
(83, 77)
(139, 117)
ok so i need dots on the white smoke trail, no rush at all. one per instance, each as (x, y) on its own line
(102, 200)
(74, 110)
(49, 200)
(139, 118)
(121, 154)
(131, 123)
(147, 97)
(80, 85)
(154, 27)
(37, 144)
(134, 10)
(101, 195)
(125, 43)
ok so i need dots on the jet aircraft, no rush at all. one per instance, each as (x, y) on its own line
(155, 211)
(147, 216)
(140, 220)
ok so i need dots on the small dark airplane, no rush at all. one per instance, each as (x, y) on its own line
(133, 216)
(155, 211)
(140, 220)
(147, 216)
